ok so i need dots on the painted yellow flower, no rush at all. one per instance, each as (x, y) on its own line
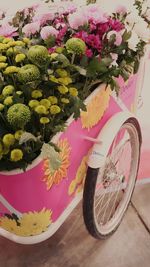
(96, 108)
(30, 224)
(9, 225)
(50, 177)
(34, 223)
(77, 184)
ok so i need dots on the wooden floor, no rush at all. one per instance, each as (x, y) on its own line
(72, 246)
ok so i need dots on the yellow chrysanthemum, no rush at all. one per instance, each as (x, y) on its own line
(53, 100)
(3, 65)
(11, 70)
(8, 90)
(65, 100)
(8, 100)
(20, 58)
(46, 103)
(54, 109)
(34, 223)
(30, 224)
(96, 108)
(51, 178)
(3, 59)
(8, 224)
(18, 134)
(62, 73)
(33, 103)
(36, 94)
(73, 91)
(63, 89)
(16, 155)
(40, 109)
(65, 80)
(44, 120)
(8, 139)
(1, 107)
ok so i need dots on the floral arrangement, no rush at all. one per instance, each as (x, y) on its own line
(51, 58)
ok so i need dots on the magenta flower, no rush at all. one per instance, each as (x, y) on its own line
(89, 53)
(31, 29)
(77, 20)
(48, 31)
(116, 25)
(7, 30)
(118, 36)
(62, 33)
(94, 41)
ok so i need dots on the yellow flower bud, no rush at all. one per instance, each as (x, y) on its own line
(63, 89)
(44, 120)
(36, 94)
(33, 103)
(16, 155)
(18, 134)
(65, 80)
(54, 109)
(46, 103)
(3, 59)
(73, 91)
(8, 100)
(8, 139)
(65, 100)
(53, 99)
(40, 109)
(62, 73)
(20, 58)
(1, 107)
(3, 65)
(11, 70)
(8, 90)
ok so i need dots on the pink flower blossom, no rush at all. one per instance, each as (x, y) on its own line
(94, 41)
(31, 29)
(81, 35)
(65, 8)
(77, 20)
(118, 36)
(48, 31)
(62, 33)
(95, 13)
(116, 25)
(7, 30)
(121, 10)
(43, 18)
(89, 53)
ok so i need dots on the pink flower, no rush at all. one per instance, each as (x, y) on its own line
(116, 25)
(7, 30)
(77, 20)
(114, 57)
(89, 53)
(94, 13)
(118, 36)
(65, 8)
(81, 35)
(62, 33)
(31, 28)
(121, 10)
(94, 41)
(48, 31)
(43, 18)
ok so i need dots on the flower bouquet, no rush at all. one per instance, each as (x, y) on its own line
(52, 58)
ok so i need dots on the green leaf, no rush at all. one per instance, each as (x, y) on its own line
(95, 67)
(107, 61)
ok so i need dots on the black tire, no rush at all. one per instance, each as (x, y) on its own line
(89, 192)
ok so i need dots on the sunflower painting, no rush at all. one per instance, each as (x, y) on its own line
(30, 224)
(96, 108)
(54, 178)
(76, 186)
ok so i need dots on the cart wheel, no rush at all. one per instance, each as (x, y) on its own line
(108, 190)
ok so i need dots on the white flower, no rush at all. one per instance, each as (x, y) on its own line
(133, 18)
(26, 137)
(114, 57)
(142, 30)
(133, 41)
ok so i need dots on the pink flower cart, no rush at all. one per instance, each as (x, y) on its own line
(100, 155)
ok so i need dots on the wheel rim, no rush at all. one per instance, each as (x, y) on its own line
(116, 180)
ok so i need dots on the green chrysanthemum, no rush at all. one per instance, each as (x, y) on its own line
(28, 73)
(38, 55)
(76, 46)
(18, 115)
